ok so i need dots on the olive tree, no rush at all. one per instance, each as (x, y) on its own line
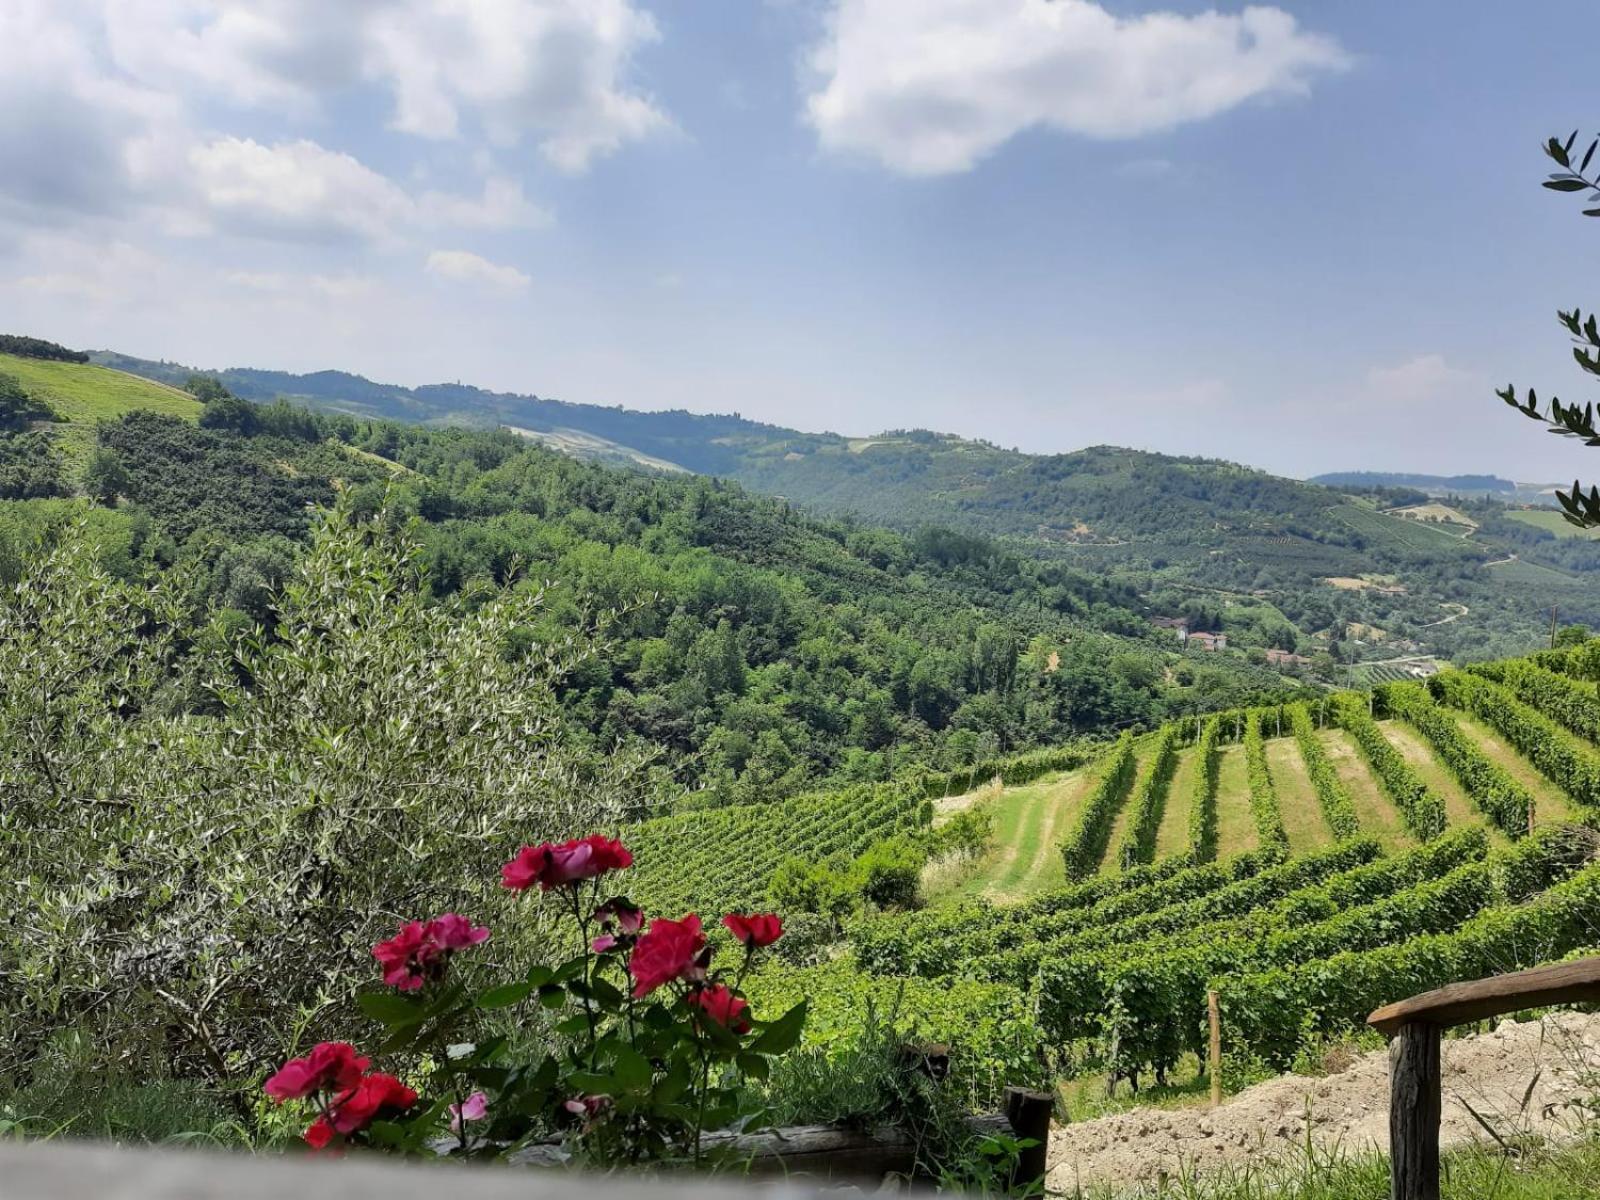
(199, 881)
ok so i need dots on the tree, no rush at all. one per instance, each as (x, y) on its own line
(105, 478)
(1570, 420)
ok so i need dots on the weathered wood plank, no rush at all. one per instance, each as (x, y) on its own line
(1415, 1100)
(1562, 983)
(1028, 1113)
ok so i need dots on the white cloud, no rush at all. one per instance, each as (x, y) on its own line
(1425, 377)
(347, 286)
(552, 69)
(129, 111)
(462, 266)
(928, 87)
(501, 206)
(296, 188)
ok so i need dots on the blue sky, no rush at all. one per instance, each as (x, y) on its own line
(1304, 236)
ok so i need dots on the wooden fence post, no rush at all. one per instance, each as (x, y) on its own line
(1415, 1100)
(1029, 1114)
(1414, 1027)
(1214, 1063)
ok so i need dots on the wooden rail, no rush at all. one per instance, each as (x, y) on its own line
(1414, 1027)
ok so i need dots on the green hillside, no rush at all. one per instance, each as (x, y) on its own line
(1171, 528)
(757, 652)
(83, 394)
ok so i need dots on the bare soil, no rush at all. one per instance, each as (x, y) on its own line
(1347, 1109)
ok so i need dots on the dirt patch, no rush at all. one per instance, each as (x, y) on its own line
(1349, 1110)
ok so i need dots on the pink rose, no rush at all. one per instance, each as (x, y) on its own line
(330, 1067)
(720, 1004)
(474, 1108)
(754, 931)
(419, 952)
(553, 865)
(668, 950)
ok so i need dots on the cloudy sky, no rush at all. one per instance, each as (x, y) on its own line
(1303, 236)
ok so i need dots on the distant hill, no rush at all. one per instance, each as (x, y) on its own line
(674, 438)
(1099, 496)
(1176, 529)
(1432, 484)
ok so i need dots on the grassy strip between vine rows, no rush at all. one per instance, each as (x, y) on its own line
(1272, 1014)
(1139, 839)
(1561, 758)
(1423, 811)
(1263, 796)
(1085, 844)
(1203, 811)
(1504, 801)
(1331, 794)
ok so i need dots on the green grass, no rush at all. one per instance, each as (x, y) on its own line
(1458, 808)
(1310, 1173)
(1119, 828)
(83, 395)
(1172, 837)
(1550, 803)
(1236, 827)
(1303, 820)
(1379, 818)
(1029, 823)
(1551, 521)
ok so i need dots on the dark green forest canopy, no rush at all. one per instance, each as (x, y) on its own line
(760, 649)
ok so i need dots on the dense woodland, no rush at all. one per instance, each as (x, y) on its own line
(758, 650)
(1134, 520)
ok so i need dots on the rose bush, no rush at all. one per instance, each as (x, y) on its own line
(645, 1043)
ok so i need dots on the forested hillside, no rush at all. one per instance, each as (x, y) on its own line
(1150, 521)
(758, 651)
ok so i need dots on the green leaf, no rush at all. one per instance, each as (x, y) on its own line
(552, 996)
(782, 1035)
(391, 1008)
(592, 1083)
(504, 996)
(754, 1066)
(632, 1069)
(1565, 185)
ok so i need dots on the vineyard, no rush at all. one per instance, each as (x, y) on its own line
(1306, 862)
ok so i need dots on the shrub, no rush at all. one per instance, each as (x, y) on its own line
(652, 1050)
(384, 746)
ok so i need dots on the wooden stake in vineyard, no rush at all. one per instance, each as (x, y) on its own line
(1214, 1063)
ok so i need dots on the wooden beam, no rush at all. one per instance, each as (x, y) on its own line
(1563, 983)
(1028, 1113)
(1415, 1100)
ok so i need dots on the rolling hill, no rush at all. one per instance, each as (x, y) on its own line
(83, 394)
(1164, 526)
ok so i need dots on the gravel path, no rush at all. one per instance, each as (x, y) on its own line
(1491, 1072)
